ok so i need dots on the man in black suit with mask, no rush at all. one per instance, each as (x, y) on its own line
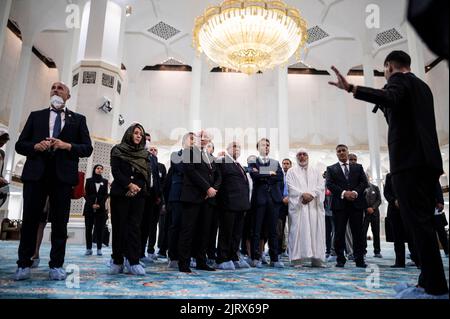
(415, 160)
(347, 182)
(53, 140)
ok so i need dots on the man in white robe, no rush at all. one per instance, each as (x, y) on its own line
(306, 188)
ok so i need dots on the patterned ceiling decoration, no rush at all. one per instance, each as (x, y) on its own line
(315, 34)
(388, 36)
(163, 30)
(172, 61)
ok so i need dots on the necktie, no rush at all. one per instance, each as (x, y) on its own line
(285, 190)
(57, 126)
(346, 172)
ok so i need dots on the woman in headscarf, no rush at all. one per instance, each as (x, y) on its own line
(96, 193)
(130, 169)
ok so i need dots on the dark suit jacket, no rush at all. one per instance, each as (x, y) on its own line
(337, 183)
(373, 198)
(154, 168)
(234, 191)
(199, 176)
(93, 197)
(407, 103)
(174, 178)
(124, 174)
(265, 185)
(162, 173)
(36, 129)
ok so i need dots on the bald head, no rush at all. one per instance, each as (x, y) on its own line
(61, 90)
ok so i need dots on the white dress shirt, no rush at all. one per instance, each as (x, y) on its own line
(343, 171)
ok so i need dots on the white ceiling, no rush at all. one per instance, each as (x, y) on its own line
(343, 20)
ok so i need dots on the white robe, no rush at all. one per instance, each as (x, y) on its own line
(306, 222)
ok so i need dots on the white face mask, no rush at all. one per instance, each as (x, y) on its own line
(57, 101)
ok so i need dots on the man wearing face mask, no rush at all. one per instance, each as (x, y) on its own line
(53, 140)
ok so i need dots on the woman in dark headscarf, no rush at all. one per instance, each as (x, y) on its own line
(130, 169)
(96, 193)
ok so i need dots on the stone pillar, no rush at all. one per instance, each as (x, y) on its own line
(415, 48)
(17, 106)
(97, 74)
(194, 107)
(372, 124)
(5, 8)
(283, 112)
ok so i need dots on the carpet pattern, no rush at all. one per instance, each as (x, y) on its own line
(93, 282)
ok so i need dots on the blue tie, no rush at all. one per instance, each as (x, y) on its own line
(285, 190)
(57, 126)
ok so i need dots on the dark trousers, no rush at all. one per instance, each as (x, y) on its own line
(374, 221)
(401, 235)
(281, 225)
(176, 212)
(329, 234)
(194, 233)
(265, 213)
(34, 198)
(149, 225)
(230, 233)
(442, 234)
(99, 220)
(416, 196)
(211, 252)
(163, 235)
(355, 218)
(246, 232)
(126, 217)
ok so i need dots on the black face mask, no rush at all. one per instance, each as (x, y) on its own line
(97, 177)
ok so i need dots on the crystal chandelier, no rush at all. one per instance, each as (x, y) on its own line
(250, 35)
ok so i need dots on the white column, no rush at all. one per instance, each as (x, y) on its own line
(372, 124)
(194, 107)
(415, 48)
(5, 8)
(342, 119)
(283, 112)
(17, 106)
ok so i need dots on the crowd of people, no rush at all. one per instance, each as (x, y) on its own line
(214, 213)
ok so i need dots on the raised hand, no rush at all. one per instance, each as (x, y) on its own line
(341, 80)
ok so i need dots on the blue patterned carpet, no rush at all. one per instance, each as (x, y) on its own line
(161, 283)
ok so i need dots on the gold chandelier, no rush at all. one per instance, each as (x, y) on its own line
(250, 35)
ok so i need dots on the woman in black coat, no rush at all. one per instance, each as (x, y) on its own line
(96, 193)
(132, 178)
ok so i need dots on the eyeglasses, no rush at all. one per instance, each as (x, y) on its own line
(302, 154)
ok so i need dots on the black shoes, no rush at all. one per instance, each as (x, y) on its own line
(340, 265)
(204, 267)
(397, 266)
(184, 268)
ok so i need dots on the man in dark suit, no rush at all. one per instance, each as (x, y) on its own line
(53, 140)
(286, 165)
(201, 182)
(159, 211)
(172, 191)
(234, 199)
(372, 218)
(150, 217)
(415, 160)
(267, 177)
(394, 220)
(347, 183)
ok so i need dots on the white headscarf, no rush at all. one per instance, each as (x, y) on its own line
(302, 150)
